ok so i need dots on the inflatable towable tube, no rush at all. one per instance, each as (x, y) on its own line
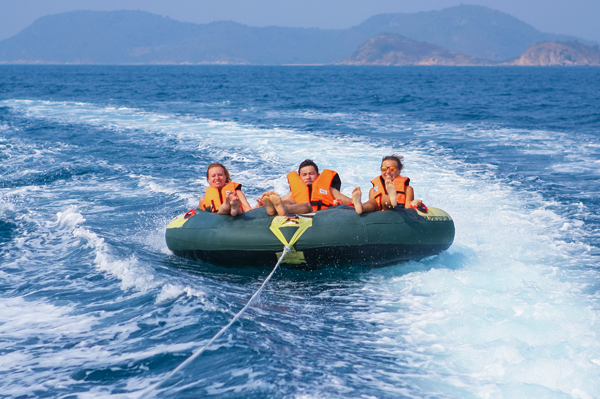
(332, 237)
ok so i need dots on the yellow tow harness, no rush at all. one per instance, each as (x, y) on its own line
(302, 223)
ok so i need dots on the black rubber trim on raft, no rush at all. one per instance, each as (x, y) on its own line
(375, 255)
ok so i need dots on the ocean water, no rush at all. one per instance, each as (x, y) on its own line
(96, 160)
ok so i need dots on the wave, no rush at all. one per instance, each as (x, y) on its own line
(506, 312)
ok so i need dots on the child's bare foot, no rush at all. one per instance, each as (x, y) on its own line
(225, 207)
(276, 200)
(391, 190)
(235, 205)
(268, 204)
(356, 199)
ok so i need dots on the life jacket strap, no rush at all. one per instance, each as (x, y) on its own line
(319, 204)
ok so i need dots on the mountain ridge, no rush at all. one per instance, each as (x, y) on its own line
(138, 37)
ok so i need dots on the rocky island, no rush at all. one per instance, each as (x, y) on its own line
(391, 49)
(559, 54)
(395, 50)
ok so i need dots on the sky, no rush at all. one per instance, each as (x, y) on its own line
(580, 18)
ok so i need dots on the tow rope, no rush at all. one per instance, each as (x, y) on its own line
(194, 355)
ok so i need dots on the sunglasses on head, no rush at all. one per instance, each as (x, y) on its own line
(391, 168)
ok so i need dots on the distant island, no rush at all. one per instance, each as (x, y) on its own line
(388, 49)
(559, 54)
(395, 50)
(462, 35)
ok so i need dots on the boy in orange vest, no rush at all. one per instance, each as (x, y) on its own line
(309, 191)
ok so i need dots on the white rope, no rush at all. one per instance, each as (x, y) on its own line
(194, 355)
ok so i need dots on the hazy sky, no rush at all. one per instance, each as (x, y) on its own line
(574, 17)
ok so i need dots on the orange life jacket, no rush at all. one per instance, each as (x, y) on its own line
(379, 187)
(213, 198)
(320, 197)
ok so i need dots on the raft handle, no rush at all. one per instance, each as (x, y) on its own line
(422, 207)
(189, 214)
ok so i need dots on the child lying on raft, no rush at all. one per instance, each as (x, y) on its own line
(389, 189)
(223, 196)
(309, 191)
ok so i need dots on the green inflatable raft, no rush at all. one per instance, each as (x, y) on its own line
(331, 237)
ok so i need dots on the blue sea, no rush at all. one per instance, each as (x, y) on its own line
(96, 160)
